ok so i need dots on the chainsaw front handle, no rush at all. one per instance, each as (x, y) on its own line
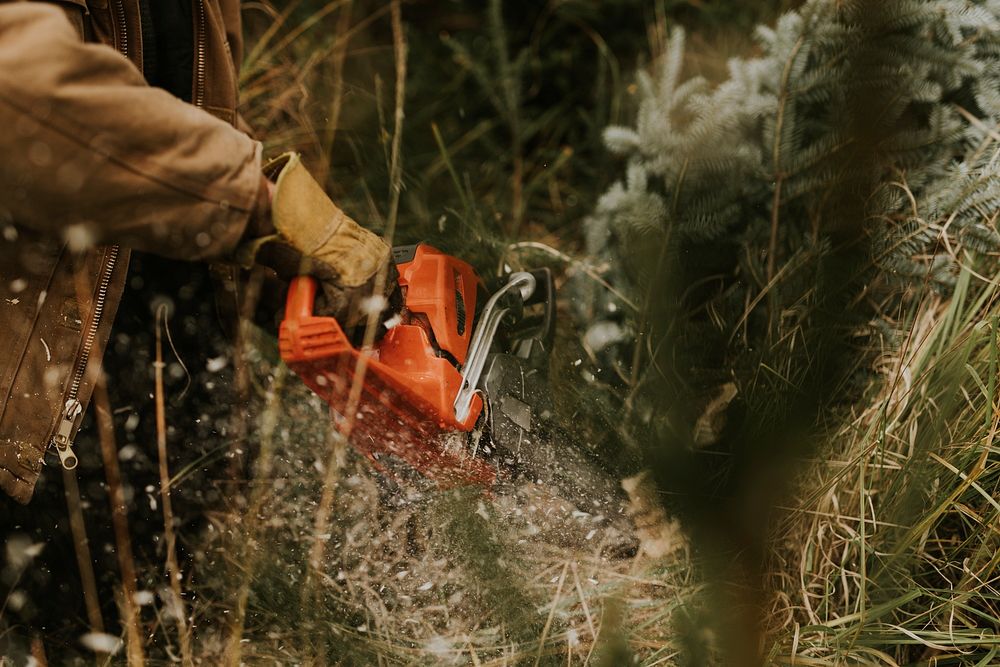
(520, 286)
(541, 327)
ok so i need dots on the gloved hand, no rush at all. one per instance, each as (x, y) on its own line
(307, 234)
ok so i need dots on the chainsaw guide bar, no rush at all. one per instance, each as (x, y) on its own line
(427, 378)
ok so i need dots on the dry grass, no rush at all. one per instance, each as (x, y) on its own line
(888, 555)
(414, 575)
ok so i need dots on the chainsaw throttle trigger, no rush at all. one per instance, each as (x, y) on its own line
(511, 297)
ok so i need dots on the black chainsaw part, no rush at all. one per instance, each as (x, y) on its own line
(515, 378)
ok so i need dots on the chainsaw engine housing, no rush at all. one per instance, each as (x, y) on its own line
(427, 376)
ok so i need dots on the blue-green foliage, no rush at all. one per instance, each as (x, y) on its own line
(750, 164)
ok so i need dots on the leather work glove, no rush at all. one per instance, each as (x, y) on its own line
(307, 234)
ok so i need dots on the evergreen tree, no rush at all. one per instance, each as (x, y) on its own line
(736, 184)
(762, 226)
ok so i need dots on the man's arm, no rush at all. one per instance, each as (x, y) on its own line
(91, 153)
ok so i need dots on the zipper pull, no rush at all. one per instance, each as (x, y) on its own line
(69, 422)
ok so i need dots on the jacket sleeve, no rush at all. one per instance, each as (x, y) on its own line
(91, 153)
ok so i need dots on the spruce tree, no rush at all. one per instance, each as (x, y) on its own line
(740, 177)
(763, 232)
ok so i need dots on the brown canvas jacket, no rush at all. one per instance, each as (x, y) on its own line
(93, 162)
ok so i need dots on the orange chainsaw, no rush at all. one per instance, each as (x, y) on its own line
(455, 388)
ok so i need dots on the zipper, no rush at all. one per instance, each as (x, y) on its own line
(69, 423)
(122, 32)
(200, 56)
(72, 412)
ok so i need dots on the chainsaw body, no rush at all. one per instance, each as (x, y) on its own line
(425, 380)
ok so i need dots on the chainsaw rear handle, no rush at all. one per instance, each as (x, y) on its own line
(301, 298)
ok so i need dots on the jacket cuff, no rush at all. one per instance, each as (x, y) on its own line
(260, 223)
(238, 220)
